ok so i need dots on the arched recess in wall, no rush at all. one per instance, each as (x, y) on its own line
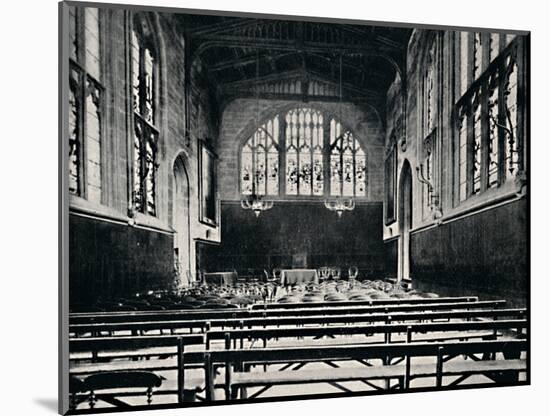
(404, 221)
(181, 220)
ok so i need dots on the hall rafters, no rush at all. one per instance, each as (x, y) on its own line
(244, 51)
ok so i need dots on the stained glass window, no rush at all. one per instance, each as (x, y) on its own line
(463, 62)
(348, 163)
(511, 97)
(85, 103)
(304, 152)
(429, 111)
(429, 92)
(477, 56)
(494, 45)
(493, 119)
(75, 117)
(145, 130)
(260, 160)
(476, 153)
(488, 146)
(463, 155)
(305, 149)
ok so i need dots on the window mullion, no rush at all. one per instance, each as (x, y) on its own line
(484, 162)
(311, 149)
(266, 167)
(502, 121)
(81, 97)
(326, 156)
(282, 156)
(341, 167)
(470, 149)
(354, 167)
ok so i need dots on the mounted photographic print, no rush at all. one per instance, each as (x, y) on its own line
(266, 208)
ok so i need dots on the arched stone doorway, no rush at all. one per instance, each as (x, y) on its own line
(181, 221)
(405, 221)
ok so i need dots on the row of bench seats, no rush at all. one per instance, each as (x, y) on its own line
(412, 324)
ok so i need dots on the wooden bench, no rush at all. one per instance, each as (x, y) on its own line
(127, 318)
(276, 310)
(373, 302)
(138, 327)
(241, 359)
(185, 388)
(386, 372)
(444, 330)
(128, 347)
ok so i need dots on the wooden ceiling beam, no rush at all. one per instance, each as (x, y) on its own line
(213, 29)
(245, 60)
(374, 102)
(394, 58)
(247, 86)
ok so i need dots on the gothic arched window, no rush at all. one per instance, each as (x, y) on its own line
(260, 160)
(144, 70)
(86, 95)
(348, 163)
(318, 157)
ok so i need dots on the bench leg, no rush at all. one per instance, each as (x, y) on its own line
(190, 395)
(234, 392)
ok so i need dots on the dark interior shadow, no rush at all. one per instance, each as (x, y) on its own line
(48, 403)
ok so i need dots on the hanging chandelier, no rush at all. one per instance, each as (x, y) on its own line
(340, 204)
(255, 202)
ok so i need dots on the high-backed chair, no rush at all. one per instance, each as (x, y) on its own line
(276, 274)
(324, 273)
(353, 272)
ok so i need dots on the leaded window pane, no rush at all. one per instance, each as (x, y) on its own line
(478, 53)
(143, 67)
(493, 116)
(74, 130)
(463, 62)
(463, 157)
(138, 166)
(260, 160)
(476, 165)
(91, 33)
(335, 175)
(149, 109)
(73, 41)
(135, 72)
(304, 155)
(85, 103)
(494, 46)
(360, 173)
(150, 167)
(429, 85)
(291, 172)
(246, 170)
(511, 143)
(347, 163)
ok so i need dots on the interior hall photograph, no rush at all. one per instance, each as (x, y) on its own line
(264, 208)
